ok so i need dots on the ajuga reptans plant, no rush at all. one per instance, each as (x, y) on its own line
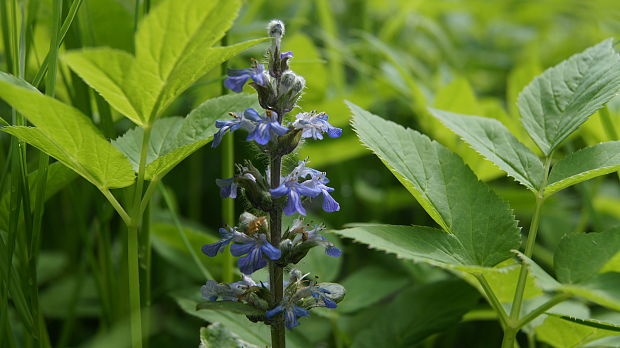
(258, 238)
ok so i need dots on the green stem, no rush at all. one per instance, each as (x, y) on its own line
(179, 226)
(494, 301)
(542, 309)
(133, 264)
(117, 206)
(511, 332)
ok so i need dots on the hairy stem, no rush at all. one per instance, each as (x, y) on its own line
(228, 170)
(275, 272)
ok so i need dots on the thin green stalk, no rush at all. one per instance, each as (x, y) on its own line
(511, 332)
(177, 222)
(39, 207)
(542, 309)
(145, 247)
(73, 10)
(493, 300)
(228, 170)
(133, 264)
(117, 206)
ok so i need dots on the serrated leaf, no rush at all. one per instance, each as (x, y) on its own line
(229, 306)
(175, 138)
(66, 134)
(417, 313)
(591, 323)
(567, 332)
(579, 257)
(495, 142)
(583, 165)
(558, 101)
(174, 48)
(482, 226)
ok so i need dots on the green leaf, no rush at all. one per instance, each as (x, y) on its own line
(368, 286)
(175, 138)
(482, 226)
(495, 142)
(218, 336)
(583, 165)
(229, 306)
(579, 257)
(557, 102)
(67, 135)
(174, 48)
(568, 332)
(591, 323)
(418, 243)
(112, 74)
(417, 313)
(601, 289)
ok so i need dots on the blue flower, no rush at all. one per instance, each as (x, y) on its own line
(213, 290)
(246, 121)
(254, 247)
(317, 183)
(291, 313)
(320, 295)
(229, 187)
(295, 191)
(266, 126)
(237, 78)
(313, 236)
(314, 125)
(286, 55)
(218, 247)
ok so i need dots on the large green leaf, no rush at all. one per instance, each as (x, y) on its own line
(218, 336)
(417, 313)
(558, 101)
(495, 142)
(482, 227)
(175, 138)
(368, 286)
(66, 134)
(583, 165)
(579, 257)
(174, 48)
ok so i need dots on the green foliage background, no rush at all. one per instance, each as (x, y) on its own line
(394, 58)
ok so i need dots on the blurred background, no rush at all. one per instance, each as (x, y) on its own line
(394, 58)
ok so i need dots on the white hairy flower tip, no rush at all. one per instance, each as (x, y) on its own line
(275, 28)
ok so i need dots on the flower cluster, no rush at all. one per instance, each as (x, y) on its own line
(256, 241)
(300, 295)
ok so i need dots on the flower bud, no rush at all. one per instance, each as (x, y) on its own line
(289, 90)
(275, 28)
